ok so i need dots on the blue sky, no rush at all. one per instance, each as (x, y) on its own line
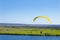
(23, 11)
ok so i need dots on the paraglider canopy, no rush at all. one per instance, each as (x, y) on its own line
(45, 17)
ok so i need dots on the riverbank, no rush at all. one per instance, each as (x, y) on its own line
(30, 31)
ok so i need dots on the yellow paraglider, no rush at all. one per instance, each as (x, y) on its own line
(43, 17)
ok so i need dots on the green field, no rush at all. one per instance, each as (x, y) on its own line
(29, 31)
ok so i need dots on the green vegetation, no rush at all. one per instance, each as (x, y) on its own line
(28, 31)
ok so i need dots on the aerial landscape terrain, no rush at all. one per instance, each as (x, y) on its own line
(29, 29)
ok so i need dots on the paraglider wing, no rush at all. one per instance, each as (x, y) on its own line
(47, 18)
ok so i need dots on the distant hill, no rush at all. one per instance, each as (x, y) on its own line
(28, 25)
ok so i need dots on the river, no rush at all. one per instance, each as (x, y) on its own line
(18, 37)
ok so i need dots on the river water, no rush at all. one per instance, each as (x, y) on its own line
(18, 37)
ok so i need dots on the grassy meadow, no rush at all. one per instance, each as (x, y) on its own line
(29, 31)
